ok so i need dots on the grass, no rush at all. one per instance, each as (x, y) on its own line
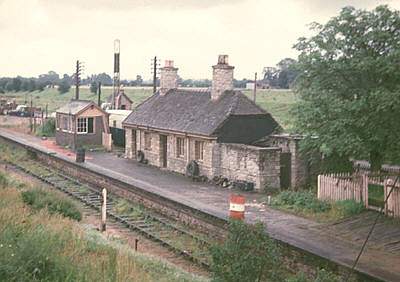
(39, 199)
(306, 203)
(276, 102)
(41, 246)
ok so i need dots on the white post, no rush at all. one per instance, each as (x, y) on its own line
(104, 211)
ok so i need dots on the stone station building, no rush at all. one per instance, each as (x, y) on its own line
(214, 128)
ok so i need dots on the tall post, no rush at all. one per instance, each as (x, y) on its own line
(30, 114)
(155, 75)
(104, 211)
(77, 80)
(116, 85)
(255, 87)
(99, 94)
(47, 105)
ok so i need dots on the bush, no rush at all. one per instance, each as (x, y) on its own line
(40, 199)
(63, 87)
(348, 208)
(249, 254)
(302, 201)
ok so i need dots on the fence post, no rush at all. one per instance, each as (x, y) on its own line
(318, 186)
(104, 211)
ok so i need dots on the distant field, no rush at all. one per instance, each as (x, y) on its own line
(276, 102)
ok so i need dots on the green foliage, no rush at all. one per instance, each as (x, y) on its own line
(49, 128)
(349, 86)
(348, 208)
(39, 199)
(249, 254)
(322, 276)
(63, 87)
(301, 201)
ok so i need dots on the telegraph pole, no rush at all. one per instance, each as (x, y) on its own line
(154, 71)
(255, 87)
(79, 68)
(98, 94)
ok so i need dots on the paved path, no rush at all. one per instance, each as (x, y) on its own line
(320, 239)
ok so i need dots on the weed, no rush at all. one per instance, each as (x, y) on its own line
(348, 208)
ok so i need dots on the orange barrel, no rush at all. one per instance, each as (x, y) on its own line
(236, 207)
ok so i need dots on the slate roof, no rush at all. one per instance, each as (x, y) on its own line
(192, 111)
(73, 107)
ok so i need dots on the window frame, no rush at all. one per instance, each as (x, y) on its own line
(199, 150)
(180, 147)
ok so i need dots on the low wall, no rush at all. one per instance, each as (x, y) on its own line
(258, 165)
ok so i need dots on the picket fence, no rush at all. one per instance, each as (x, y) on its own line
(345, 186)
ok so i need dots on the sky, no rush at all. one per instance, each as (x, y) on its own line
(42, 35)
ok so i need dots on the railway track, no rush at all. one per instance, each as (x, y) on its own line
(127, 215)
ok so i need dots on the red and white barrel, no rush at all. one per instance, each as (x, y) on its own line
(236, 207)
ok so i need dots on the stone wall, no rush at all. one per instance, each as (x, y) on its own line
(222, 80)
(257, 165)
(168, 78)
(299, 165)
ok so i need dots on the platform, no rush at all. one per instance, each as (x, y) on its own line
(339, 242)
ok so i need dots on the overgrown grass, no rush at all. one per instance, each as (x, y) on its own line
(39, 199)
(44, 247)
(307, 204)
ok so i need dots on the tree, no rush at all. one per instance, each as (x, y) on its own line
(16, 84)
(93, 87)
(287, 73)
(63, 87)
(349, 86)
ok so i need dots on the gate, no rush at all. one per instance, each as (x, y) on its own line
(285, 170)
(118, 136)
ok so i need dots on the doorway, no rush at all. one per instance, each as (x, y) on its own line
(285, 172)
(163, 150)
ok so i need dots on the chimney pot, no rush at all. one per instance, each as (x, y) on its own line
(222, 59)
(169, 64)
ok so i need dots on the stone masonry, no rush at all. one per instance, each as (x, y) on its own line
(222, 77)
(168, 77)
(237, 162)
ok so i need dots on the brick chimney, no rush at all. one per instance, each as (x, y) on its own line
(222, 77)
(168, 77)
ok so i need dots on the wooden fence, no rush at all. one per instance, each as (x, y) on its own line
(336, 187)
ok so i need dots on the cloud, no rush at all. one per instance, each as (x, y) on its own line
(124, 5)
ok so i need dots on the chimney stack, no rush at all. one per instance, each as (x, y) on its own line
(222, 77)
(168, 77)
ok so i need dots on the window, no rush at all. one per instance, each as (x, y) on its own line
(66, 123)
(58, 122)
(180, 147)
(198, 150)
(82, 125)
(147, 141)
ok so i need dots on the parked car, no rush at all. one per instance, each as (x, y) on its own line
(21, 111)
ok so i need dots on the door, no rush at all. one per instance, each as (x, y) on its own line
(285, 171)
(163, 150)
